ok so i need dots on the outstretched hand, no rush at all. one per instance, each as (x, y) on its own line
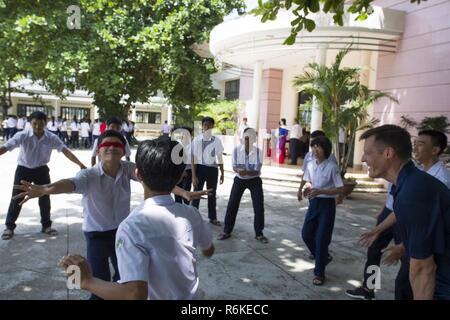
(193, 195)
(368, 238)
(30, 191)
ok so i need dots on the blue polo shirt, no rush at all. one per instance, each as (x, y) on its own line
(422, 209)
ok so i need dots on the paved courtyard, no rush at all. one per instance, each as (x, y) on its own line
(241, 268)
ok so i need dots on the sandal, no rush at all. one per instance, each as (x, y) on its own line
(7, 234)
(318, 281)
(49, 231)
(262, 239)
(215, 222)
(224, 236)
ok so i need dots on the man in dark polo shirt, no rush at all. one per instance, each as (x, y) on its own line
(421, 206)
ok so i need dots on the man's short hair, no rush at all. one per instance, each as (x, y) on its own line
(109, 134)
(392, 136)
(324, 143)
(317, 133)
(38, 115)
(113, 120)
(208, 119)
(155, 165)
(438, 138)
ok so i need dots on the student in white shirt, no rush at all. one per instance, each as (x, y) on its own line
(309, 157)
(294, 141)
(95, 130)
(74, 134)
(63, 131)
(35, 150)
(51, 126)
(206, 148)
(166, 129)
(326, 183)
(12, 126)
(185, 141)
(106, 200)
(157, 243)
(21, 123)
(247, 163)
(115, 124)
(5, 129)
(84, 132)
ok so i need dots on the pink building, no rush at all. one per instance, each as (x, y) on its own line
(404, 48)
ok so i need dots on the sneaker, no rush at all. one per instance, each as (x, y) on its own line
(361, 293)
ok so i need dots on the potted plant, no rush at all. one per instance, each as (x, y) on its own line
(344, 102)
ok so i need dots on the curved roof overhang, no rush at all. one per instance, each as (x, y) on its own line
(244, 40)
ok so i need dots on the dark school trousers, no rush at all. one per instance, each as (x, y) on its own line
(101, 246)
(209, 175)
(256, 192)
(185, 184)
(374, 252)
(318, 229)
(38, 175)
(294, 145)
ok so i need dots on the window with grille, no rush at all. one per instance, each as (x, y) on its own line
(148, 117)
(70, 112)
(28, 109)
(232, 90)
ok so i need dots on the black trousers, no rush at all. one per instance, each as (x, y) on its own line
(374, 252)
(101, 246)
(38, 175)
(209, 175)
(185, 184)
(256, 192)
(74, 139)
(294, 145)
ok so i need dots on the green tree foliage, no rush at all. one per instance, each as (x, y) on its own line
(125, 51)
(224, 113)
(268, 10)
(343, 100)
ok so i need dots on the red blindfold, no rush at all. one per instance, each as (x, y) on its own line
(112, 144)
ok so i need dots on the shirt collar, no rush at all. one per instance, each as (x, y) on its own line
(204, 138)
(162, 200)
(45, 135)
(435, 168)
(101, 172)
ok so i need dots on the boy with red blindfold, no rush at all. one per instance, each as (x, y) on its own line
(106, 200)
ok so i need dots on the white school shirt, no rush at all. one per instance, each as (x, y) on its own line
(309, 157)
(206, 151)
(125, 127)
(295, 132)
(166, 128)
(84, 126)
(20, 124)
(250, 161)
(389, 198)
(27, 125)
(34, 152)
(106, 200)
(64, 126)
(440, 172)
(127, 149)
(96, 129)
(157, 244)
(323, 176)
(12, 122)
(74, 126)
(51, 126)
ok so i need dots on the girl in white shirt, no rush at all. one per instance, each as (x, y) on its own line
(75, 127)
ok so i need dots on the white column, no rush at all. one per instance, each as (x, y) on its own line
(169, 114)
(365, 79)
(133, 114)
(316, 115)
(253, 116)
